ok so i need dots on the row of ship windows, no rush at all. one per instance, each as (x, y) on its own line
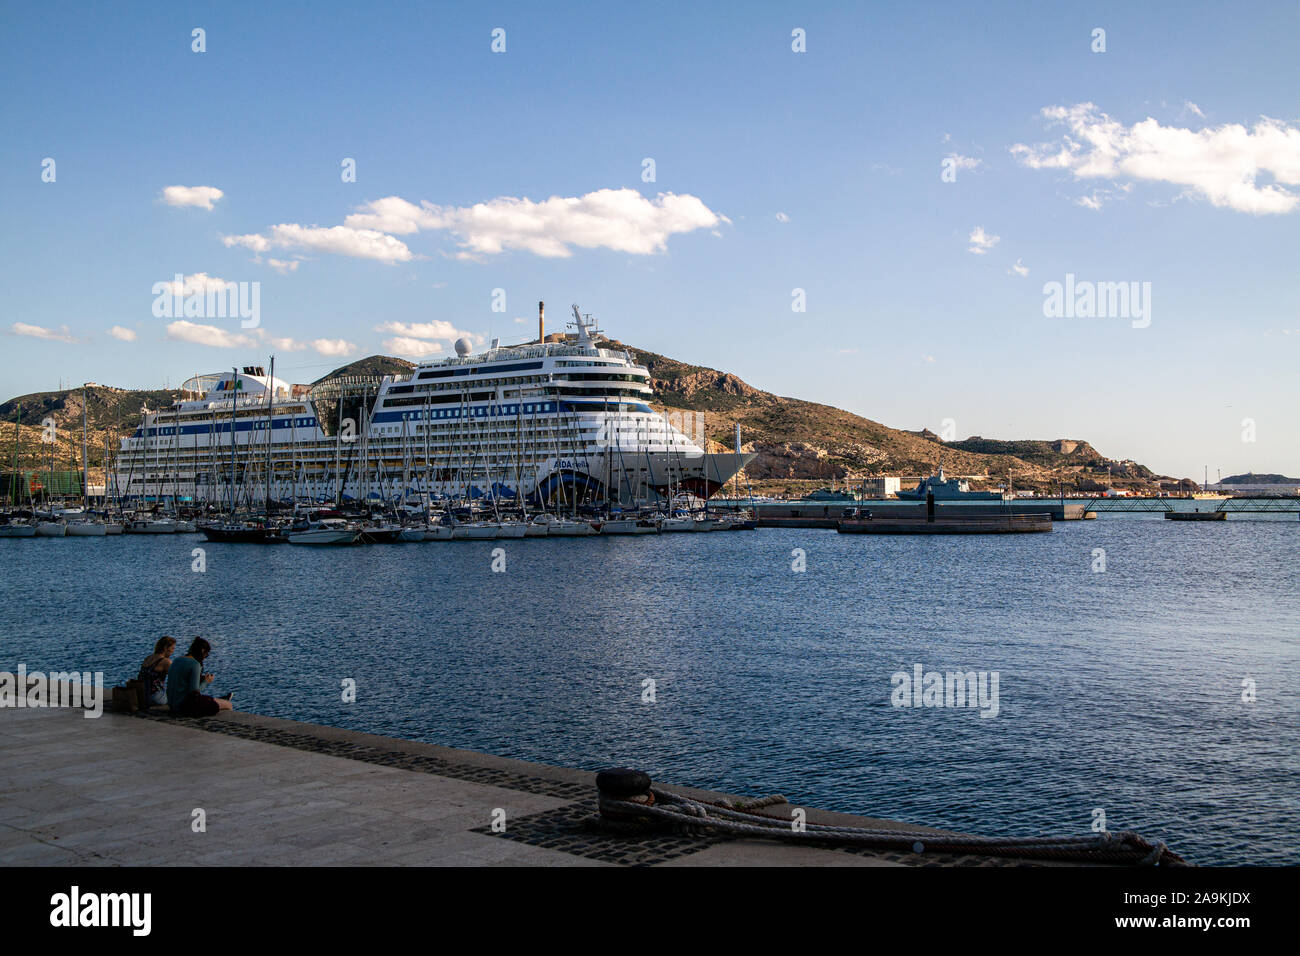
(461, 396)
(225, 427)
(514, 380)
(494, 411)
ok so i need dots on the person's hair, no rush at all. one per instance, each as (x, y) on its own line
(163, 643)
(199, 649)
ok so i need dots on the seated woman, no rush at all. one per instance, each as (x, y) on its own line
(184, 680)
(153, 672)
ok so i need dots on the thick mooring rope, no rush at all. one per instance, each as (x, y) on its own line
(671, 809)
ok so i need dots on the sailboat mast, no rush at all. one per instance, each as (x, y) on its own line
(270, 430)
(17, 433)
(85, 468)
(338, 436)
(234, 400)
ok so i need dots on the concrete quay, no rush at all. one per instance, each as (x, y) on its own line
(827, 514)
(131, 790)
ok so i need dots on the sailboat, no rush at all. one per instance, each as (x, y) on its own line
(85, 525)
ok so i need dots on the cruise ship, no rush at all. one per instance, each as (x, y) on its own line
(557, 422)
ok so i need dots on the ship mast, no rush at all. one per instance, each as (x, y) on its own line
(270, 433)
(85, 497)
(234, 399)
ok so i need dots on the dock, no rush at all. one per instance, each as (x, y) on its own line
(949, 524)
(827, 514)
(129, 789)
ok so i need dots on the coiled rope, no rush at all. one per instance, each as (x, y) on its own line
(664, 808)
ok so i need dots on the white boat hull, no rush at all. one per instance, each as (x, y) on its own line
(628, 526)
(17, 531)
(151, 527)
(569, 529)
(51, 529)
(473, 532)
(323, 537)
(86, 529)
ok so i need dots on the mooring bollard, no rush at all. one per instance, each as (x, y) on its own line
(626, 785)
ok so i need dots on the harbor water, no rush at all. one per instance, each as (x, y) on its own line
(1146, 670)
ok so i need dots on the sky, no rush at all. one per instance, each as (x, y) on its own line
(861, 205)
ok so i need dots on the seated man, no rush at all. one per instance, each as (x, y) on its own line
(184, 679)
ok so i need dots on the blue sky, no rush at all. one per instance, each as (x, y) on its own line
(818, 171)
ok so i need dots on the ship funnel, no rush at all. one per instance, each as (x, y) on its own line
(541, 323)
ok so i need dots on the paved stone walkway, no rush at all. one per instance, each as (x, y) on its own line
(123, 790)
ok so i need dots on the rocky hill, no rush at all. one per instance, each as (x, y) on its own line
(800, 442)
(1250, 478)
(800, 445)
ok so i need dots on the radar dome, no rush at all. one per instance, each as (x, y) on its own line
(463, 347)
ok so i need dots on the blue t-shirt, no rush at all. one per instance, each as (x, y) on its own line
(182, 680)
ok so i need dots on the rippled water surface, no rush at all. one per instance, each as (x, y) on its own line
(1119, 690)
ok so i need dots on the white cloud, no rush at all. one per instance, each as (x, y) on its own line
(123, 334)
(1019, 268)
(981, 242)
(258, 244)
(282, 266)
(1191, 107)
(327, 347)
(60, 334)
(782, 217)
(437, 329)
(210, 335)
(394, 214)
(1220, 164)
(415, 347)
(333, 347)
(281, 344)
(199, 283)
(201, 196)
(340, 240)
(414, 338)
(619, 219)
